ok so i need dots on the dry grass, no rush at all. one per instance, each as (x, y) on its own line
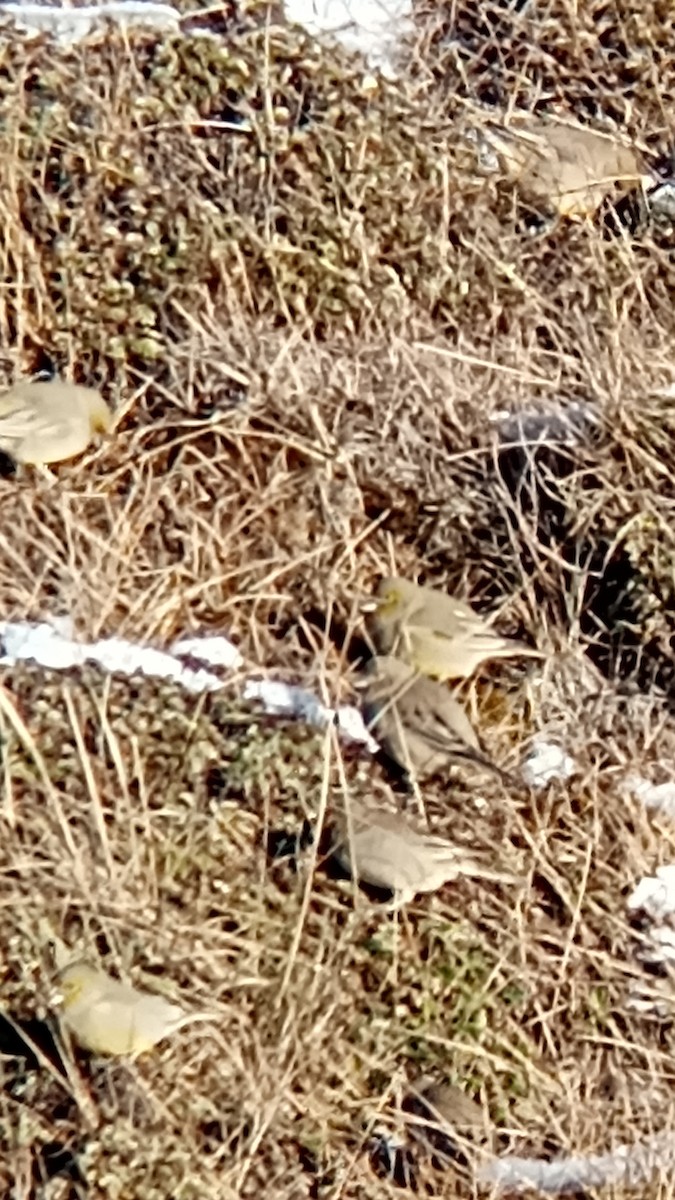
(308, 333)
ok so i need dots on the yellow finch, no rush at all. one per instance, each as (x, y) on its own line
(571, 166)
(42, 423)
(384, 850)
(416, 720)
(438, 634)
(114, 1018)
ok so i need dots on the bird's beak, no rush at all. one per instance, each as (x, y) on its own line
(55, 998)
(368, 606)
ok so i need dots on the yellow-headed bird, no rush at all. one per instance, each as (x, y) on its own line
(438, 634)
(113, 1018)
(43, 423)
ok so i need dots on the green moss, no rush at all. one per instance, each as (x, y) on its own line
(302, 211)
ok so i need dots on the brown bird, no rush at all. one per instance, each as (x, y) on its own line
(570, 166)
(442, 1117)
(108, 1017)
(384, 850)
(43, 423)
(438, 634)
(442, 1104)
(416, 720)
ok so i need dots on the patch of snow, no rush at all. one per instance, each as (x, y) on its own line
(627, 1165)
(49, 644)
(116, 654)
(655, 894)
(661, 201)
(373, 28)
(545, 762)
(41, 643)
(659, 796)
(654, 898)
(71, 25)
(647, 1007)
(287, 699)
(664, 941)
(350, 722)
(217, 651)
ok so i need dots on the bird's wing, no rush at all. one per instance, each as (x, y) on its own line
(57, 443)
(17, 423)
(454, 861)
(103, 1024)
(369, 859)
(446, 723)
(155, 1017)
(376, 853)
(521, 150)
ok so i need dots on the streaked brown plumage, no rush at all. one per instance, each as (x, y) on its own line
(43, 423)
(384, 850)
(417, 721)
(108, 1017)
(438, 634)
(571, 166)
